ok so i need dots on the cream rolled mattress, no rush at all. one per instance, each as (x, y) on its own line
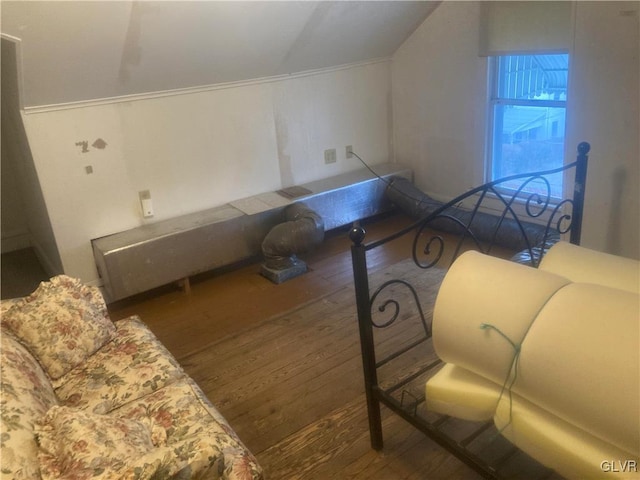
(579, 264)
(480, 290)
(457, 392)
(531, 348)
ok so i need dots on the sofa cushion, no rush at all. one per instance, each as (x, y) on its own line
(63, 322)
(199, 440)
(132, 365)
(6, 304)
(26, 396)
(82, 445)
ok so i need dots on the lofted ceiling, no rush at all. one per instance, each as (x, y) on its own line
(84, 50)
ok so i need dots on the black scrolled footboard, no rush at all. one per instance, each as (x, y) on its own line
(522, 210)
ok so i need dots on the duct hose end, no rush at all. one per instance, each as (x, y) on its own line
(302, 231)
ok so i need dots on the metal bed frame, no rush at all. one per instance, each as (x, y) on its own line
(478, 445)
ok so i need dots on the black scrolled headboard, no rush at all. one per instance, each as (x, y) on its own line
(528, 220)
(510, 228)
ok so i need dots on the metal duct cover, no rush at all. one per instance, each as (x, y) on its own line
(152, 255)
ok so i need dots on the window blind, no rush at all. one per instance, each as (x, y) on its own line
(525, 27)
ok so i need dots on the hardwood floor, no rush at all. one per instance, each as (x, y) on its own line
(227, 301)
(292, 389)
(222, 303)
(303, 416)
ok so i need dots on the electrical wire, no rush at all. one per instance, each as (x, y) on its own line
(390, 184)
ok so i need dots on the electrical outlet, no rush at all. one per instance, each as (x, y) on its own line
(349, 151)
(330, 156)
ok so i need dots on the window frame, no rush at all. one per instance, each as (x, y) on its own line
(493, 100)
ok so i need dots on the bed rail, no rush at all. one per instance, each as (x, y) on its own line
(520, 205)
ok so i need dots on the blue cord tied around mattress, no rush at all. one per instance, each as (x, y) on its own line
(511, 378)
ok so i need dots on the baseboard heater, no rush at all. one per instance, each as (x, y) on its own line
(160, 253)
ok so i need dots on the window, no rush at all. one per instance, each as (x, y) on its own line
(527, 115)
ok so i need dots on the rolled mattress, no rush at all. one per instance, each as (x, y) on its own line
(457, 392)
(570, 349)
(573, 453)
(580, 362)
(584, 265)
(480, 290)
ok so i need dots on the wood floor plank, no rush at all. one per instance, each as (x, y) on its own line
(327, 440)
(282, 362)
(230, 300)
(281, 393)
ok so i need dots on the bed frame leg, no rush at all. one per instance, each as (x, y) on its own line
(375, 422)
(361, 282)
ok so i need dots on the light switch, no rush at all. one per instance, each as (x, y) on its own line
(146, 203)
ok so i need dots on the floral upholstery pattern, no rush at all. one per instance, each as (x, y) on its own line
(103, 400)
(26, 396)
(199, 441)
(88, 446)
(6, 304)
(132, 365)
(62, 323)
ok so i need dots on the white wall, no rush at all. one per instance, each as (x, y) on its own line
(604, 109)
(439, 101)
(25, 221)
(439, 86)
(199, 150)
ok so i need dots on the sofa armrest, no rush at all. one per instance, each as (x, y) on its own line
(198, 437)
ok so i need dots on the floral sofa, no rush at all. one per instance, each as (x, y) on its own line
(84, 397)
